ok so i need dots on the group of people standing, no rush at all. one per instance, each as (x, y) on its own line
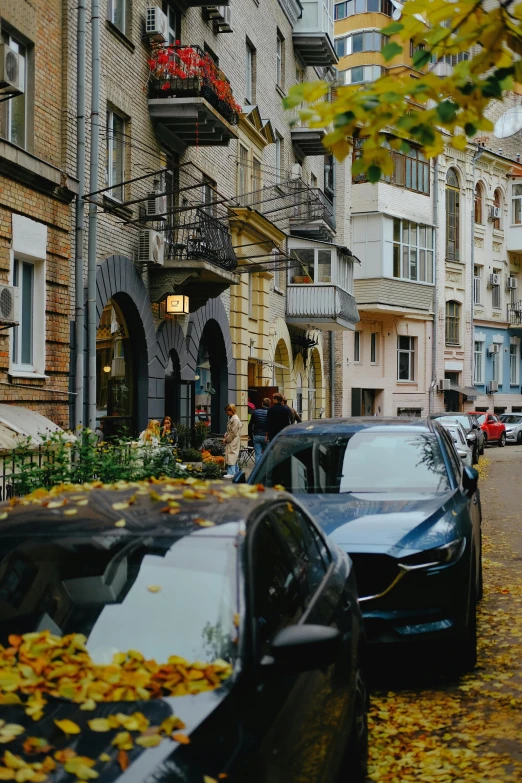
(265, 423)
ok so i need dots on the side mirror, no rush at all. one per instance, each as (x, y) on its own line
(470, 479)
(239, 478)
(301, 648)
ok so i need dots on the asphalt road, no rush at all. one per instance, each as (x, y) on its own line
(468, 730)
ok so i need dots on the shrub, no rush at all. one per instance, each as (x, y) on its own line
(211, 470)
(199, 434)
(216, 448)
(190, 455)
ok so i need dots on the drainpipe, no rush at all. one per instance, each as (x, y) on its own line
(332, 373)
(79, 294)
(476, 156)
(433, 384)
(93, 216)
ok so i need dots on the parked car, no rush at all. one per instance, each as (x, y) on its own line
(513, 424)
(494, 430)
(393, 494)
(459, 439)
(474, 434)
(242, 580)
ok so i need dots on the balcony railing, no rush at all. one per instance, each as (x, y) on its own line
(514, 313)
(321, 306)
(200, 236)
(310, 206)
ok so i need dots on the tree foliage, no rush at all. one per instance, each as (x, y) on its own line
(428, 110)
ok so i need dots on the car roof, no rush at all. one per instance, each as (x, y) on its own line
(357, 423)
(448, 414)
(173, 507)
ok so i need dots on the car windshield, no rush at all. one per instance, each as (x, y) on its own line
(482, 419)
(461, 420)
(162, 596)
(365, 461)
(456, 434)
(509, 418)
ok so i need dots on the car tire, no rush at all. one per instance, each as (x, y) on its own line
(355, 764)
(502, 441)
(485, 441)
(519, 437)
(475, 457)
(463, 654)
(480, 589)
(482, 448)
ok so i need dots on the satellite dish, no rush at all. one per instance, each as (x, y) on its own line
(509, 123)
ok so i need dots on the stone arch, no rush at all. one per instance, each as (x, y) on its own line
(315, 364)
(118, 280)
(281, 344)
(172, 353)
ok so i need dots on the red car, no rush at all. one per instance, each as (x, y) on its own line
(494, 430)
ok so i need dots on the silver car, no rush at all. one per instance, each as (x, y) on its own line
(456, 431)
(513, 422)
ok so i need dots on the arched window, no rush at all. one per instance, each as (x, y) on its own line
(452, 215)
(452, 323)
(497, 204)
(479, 215)
(299, 394)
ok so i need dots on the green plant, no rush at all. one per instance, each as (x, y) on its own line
(190, 455)
(199, 434)
(211, 470)
(184, 436)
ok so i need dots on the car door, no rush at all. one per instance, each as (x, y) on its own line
(285, 719)
(495, 427)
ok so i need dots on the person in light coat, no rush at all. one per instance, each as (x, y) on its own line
(232, 441)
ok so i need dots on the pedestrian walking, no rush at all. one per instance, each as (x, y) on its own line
(257, 429)
(232, 441)
(296, 419)
(278, 416)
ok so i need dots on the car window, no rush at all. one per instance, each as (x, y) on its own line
(455, 461)
(482, 419)
(297, 535)
(508, 418)
(277, 597)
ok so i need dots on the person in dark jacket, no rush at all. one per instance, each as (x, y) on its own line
(278, 416)
(296, 419)
(257, 428)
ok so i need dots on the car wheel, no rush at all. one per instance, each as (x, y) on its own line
(485, 440)
(481, 450)
(502, 441)
(480, 589)
(519, 437)
(463, 654)
(355, 765)
(475, 457)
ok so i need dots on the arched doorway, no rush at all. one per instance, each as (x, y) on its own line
(281, 377)
(299, 394)
(315, 387)
(212, 377)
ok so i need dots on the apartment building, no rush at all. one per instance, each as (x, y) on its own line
(220, 266)
(36, 191)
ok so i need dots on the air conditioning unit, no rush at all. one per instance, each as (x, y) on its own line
(493, 387)
(156, 206)
(297, 171)
(152, 247)
(156, 24)
(494, 348)
(8, 305)
(512, 283)
(444, 384)
(11, 71)
(221, 16)
(494, 213)
(494, 279)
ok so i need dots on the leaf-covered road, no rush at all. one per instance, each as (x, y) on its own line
(466, 731)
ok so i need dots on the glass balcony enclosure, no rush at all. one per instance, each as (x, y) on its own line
(313, 33)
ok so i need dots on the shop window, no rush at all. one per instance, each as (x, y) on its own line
(115, 376)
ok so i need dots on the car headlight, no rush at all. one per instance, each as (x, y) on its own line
(471, 436)
(510, 429)
(429, 558)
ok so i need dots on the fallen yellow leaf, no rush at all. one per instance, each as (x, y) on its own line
(68, 726)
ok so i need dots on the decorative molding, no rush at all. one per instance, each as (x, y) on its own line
(454, 277)
(165, 281)
(497, 247)
(478, 242)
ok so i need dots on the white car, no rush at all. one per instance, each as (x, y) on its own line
(456, 431)
(513, 422)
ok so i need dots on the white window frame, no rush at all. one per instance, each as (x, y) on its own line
(478, 362)
(411, 351)
(280, 42)
(496, 295)
(21, 50)
(514, 377)
(111, 15)
(357, 343)
(495, 368)
(374, 348)
(249, 73)
(111, 146)
(278, 157)
(416, 248)
(242, 170)
(29, 245)
(516, 203)
(477, 285)
(172, 28)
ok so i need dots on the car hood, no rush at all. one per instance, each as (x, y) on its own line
(169, 759)
(362, 522)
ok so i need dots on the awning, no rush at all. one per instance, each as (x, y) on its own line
(469, 391)
(17, 424)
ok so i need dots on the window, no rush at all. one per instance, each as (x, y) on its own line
(257, 179)
(495, 372)
(478, 357)
(209, 195)
(15, 109)
(250, 295)
(316, 265)
(313, 180)
(478, 203)
(497, 202)
(118, 13)
(362, 73)
(495, 291)
(516, 200)
(211, 53)
(405, 358)
(514, 363)
(173, 25)
(277, 597)
(452, 323)
(329, 176)
(22, 342)
(477, 284)
(365, 41)
(410, 171)
(412, 251)
(280, 61)
(250, 66)
(452, 215)
(356, 347)
(115, 154)
(278, 157)
(351, 7)
(299, 394)
(374, 348)
(242, 187)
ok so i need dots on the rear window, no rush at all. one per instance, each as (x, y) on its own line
(365, 461)
(508, 418)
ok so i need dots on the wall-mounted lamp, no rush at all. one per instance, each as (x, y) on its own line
(177, 304)
(196, 377)
(107, 368)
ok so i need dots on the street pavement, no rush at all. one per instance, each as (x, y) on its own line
(426, 728)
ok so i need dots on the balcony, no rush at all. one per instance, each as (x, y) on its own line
(190, 99)
(514, 314)
(321, 306)
(313, 216)
(308, 141)
(313, 34)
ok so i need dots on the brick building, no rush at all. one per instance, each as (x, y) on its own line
(36, 192)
